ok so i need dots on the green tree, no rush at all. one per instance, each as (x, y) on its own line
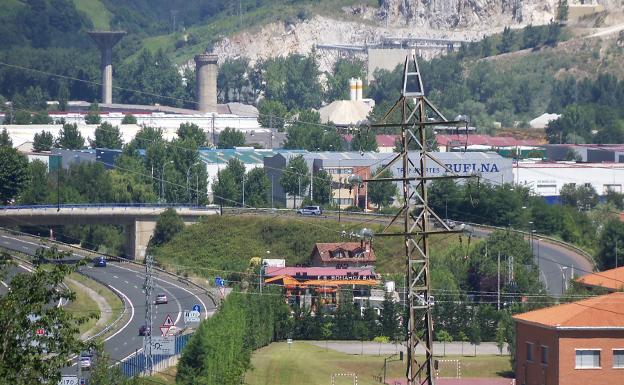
(463, 338)
(93, 116)
(444, 337)
(500, 336)
(382, 193)
(611, 238)
(69, 137)
(562, 11)
(338, 81)
(474, 332)
(5, 139)
(129, 119)
(389, 319)
(13, 174)
(232, 80)
(43, 141)
(24, 308)
(272, 114)
(507, 43)
(36, 188)
(582, 197)
(295, 178)
(107, 136)
(230, 138)
(364, 140)
(308, 133)
(321, 187)
(371, 322)
(225, 189)
(192, 131)
(168, 225)
(257, 188)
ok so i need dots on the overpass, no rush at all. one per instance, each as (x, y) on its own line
(139, 220)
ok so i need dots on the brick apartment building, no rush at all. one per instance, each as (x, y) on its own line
(578, 343)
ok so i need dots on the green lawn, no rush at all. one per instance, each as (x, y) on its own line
(306, 364)
(96, 11)
(83, 305)
(228, 243)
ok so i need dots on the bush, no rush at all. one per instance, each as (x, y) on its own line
(169, 224)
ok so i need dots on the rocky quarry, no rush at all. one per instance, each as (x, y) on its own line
(363, 25)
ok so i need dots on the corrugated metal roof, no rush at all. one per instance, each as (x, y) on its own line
(245, 155)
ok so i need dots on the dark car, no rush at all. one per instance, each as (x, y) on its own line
(99, 262)
(145, 330)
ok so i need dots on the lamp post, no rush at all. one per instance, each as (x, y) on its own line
(162, 179)
(538, 253)
(564, 283)
(531, 236)
(188, 188)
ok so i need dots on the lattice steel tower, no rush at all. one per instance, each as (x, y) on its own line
(416, 113)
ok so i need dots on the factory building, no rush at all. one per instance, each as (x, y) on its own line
(547, 178)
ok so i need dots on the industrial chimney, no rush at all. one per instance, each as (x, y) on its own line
(206, 74)
(105, 40)
(352, 89)
(358, 89)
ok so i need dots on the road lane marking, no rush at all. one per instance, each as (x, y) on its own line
(4, 284)
(131, 312)
(179, 287)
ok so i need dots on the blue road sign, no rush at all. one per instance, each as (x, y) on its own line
(197, 308)
(219, 282)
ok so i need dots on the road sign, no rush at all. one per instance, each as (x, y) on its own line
(197, 308)
(68, 380)
(40, 332)
(163, 345)
(191, 316)
(168, 321)
(219, 282)
(83, 381)
(164, 330)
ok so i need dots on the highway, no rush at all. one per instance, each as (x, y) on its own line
(127, 280)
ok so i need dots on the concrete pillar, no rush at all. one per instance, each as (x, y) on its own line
(106, 40)
(206, 70)
(137, 236)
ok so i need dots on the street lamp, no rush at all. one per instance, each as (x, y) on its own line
(162, 179)
(188, 188)
(531, 236)
(564, 282)
(538, 253)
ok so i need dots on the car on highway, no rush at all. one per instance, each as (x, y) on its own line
(99, 262)
(161, 299)
(310, 210)
(85, 362)
(145, 330)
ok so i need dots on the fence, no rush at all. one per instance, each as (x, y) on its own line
(135, 364)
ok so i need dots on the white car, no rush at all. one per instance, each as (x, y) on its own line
(85, 362)
(310, 210)
(161, 299)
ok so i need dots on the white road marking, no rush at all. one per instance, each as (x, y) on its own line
(127, 282)
(28, 269)
(114, 276)
(4, 284)
(131, 313)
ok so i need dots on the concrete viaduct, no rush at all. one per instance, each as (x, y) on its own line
(139, 221)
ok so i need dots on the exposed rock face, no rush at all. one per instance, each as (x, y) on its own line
(452, 14)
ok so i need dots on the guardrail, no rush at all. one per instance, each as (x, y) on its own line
(109, 205)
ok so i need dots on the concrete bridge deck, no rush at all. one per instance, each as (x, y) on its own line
(139, 221)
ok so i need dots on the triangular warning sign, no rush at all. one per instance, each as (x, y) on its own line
(164, 330)
(168, 321)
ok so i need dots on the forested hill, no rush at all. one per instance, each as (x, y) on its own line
(58, 23)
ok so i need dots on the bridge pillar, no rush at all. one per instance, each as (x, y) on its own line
(137, 236)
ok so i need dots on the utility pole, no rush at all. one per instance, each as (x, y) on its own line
(243, 189)
(147, 336)
(416, 113)
(616, 253)
(498, 283)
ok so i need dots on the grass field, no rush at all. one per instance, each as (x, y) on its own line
(84, 305)
(228, 242)
(96, 11)
(306, 364)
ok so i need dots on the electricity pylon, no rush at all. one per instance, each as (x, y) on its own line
(416, 113)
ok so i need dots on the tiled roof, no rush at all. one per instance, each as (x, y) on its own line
(315, 271)
(601, 312)
(329, 252)
(609, 279)
(484, 140)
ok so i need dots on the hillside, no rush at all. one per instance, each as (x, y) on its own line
(225, 245)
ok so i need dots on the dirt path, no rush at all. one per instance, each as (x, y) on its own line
(105, 309)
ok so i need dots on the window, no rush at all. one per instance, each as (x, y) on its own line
(529, 349)
(544, 355)
(618, 358)
(587, 359)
